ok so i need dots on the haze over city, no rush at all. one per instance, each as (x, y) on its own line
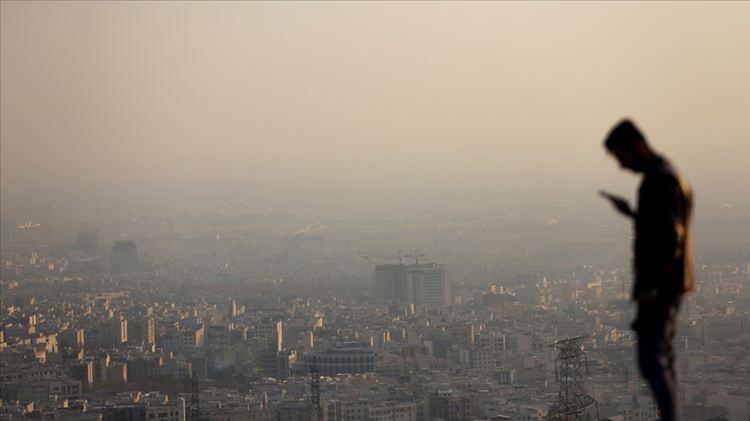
(277, 157)
(398, 98)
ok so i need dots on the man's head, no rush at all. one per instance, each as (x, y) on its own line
(628, 145)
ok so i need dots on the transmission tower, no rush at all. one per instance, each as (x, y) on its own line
(570, 369)
(317, 413)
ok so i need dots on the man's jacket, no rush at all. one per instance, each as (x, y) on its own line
(663, 247)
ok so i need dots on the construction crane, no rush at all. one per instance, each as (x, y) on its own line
(369, 258)
(416, 255)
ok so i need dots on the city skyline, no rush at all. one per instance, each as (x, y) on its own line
(374, 211)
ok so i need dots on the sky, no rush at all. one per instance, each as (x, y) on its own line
(355, 101)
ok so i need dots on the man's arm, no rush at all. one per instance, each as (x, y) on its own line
(620, 204)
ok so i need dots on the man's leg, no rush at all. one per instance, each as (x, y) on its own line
(656, 359)
(671, 355)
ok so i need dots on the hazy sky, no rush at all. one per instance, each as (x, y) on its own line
(360, 97)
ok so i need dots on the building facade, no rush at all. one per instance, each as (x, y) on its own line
(343, 357)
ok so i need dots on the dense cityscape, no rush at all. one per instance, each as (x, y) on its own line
(96, 329)
(374, 210)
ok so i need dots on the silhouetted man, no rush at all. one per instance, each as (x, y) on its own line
(662, 261)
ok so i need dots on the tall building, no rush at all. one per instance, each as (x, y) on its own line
(270, 336)
(271, 332)
(113, 332)
(228, 309)
(87, 241)
(83, 372)
(124, 257)
(142, 330)
(450, 406)
(284, 363)
(427, 285)
(390, 282)
(421, 284)
(217, 336)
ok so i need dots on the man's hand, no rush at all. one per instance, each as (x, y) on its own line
(620, 204)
